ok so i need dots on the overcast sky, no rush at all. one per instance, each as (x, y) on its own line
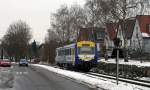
(36, 13)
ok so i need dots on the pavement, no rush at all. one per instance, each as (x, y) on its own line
(33, 78)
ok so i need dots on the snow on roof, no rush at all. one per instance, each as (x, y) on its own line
(145, 35)
(98, 83)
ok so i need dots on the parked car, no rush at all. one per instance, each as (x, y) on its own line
(35, 61)
(23, 62)
(5, 62)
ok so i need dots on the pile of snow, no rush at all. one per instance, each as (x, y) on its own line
(130, 62)
(145, 35)
(95, 82)
(145, 78)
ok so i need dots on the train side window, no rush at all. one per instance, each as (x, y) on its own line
(70, 51)
(63, 52)
(66, 51)
(59, 52)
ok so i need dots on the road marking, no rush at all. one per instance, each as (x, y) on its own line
(21, 73)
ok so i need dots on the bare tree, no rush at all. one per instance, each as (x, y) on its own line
(78, 20)
(16, 39)
(48, 51)
(67, 21)
(99, 12)
(60, 21)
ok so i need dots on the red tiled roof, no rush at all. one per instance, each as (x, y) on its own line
(129, 27)
(144, 20)
(111, 30)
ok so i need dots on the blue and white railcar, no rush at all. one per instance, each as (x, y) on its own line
(81, 55)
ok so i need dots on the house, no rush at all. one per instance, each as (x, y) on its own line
(136, 32)
(141, 33)
(99, 36)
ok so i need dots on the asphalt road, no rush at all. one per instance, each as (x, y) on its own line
(31, 78)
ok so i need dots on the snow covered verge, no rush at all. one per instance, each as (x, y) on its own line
(130, 62)
(96, 82)
(133, 69)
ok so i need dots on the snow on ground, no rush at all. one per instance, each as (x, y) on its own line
(130, 62)
(99, 83)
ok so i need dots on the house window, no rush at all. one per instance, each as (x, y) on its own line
(136, 35)
(136, 28)
(148, 27)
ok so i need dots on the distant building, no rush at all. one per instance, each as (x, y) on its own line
(5, 55)
(94, 34)
(86, 34)
(141, 33)
(99, 35)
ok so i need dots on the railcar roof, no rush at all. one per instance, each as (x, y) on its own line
(67, 46)
(70, 45)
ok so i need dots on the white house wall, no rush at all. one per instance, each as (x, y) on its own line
(134, 39)
(109, 43)
(120, 35)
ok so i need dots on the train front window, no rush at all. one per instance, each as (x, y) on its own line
(86, 50)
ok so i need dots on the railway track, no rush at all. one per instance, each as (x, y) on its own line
(132, 81)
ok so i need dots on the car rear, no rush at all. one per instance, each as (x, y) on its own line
(5, 63)
(23, 62)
